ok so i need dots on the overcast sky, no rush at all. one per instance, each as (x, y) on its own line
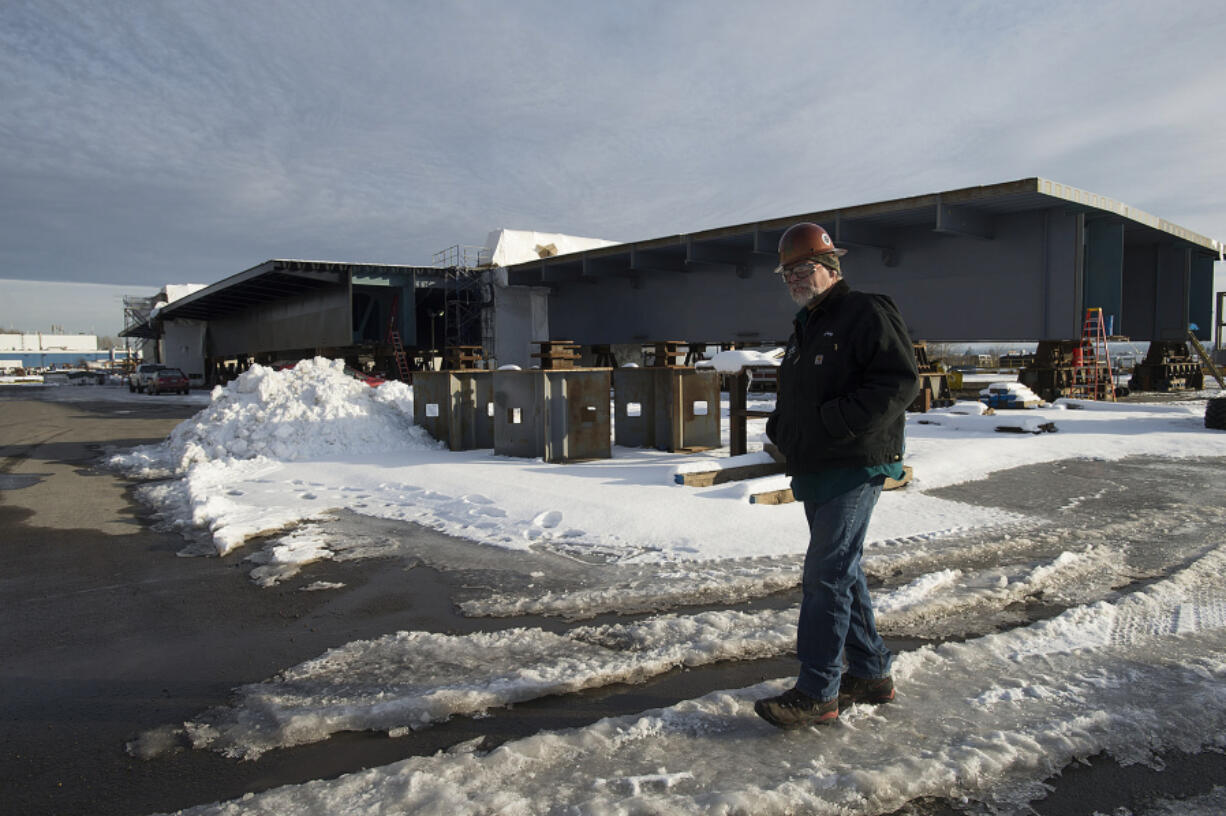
(145, 143)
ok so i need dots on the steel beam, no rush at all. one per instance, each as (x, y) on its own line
(655, 261)
(849, 233)
(859, 234)
(963, 221)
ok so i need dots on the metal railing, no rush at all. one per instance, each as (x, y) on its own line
(464, 257)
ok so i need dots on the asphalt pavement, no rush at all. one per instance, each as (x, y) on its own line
(110, 633)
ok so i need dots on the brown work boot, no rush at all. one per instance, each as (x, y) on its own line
(794, 709)
(869, 691)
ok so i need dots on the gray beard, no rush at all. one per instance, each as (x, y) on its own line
(803, 298)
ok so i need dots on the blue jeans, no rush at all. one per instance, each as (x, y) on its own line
(836, 614)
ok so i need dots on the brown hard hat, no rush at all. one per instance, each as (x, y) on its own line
(804, 240)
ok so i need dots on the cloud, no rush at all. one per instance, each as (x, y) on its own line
(186, 142)
(84, 308)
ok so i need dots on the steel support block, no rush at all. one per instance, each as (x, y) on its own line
(670, 409)
(456, 407)
(559, 415)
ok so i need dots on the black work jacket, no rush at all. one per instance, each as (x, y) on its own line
(844, 384)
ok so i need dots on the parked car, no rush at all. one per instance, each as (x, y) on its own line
(168, 379)
(140, 378)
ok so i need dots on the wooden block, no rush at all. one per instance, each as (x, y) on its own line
(707, 478)
(773, 497)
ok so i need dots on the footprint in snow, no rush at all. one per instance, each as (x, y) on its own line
(308, 496)
(477, 498)
(234, 492)
(548, 520)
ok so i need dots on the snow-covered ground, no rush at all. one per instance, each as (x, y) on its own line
(989, 718)
(274, 454)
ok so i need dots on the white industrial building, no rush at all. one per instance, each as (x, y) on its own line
(42, 352)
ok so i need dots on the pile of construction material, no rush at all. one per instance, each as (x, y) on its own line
(1009, 395)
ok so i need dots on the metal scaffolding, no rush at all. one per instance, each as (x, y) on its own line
(465, 297)
(136, 311)
(465, 292)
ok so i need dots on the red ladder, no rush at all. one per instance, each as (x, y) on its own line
(402, 361)
(1092, 378)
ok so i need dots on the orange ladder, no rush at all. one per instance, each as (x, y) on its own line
(402, 361)
(1092, 378)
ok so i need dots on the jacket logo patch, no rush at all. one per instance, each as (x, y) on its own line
(817, 360)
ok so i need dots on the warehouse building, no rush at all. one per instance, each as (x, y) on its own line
(284, 310)
(1016, 261)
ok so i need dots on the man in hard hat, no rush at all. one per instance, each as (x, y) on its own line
(844, 385)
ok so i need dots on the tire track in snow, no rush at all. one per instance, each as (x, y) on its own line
(987, 718)
(410, 680)
(891, 560)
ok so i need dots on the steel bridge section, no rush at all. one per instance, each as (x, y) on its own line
(1008, 262)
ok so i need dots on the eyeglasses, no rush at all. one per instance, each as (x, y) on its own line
(799, 270)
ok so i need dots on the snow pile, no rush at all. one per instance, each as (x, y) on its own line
(960, 408)
(254, 425)
(311, 411)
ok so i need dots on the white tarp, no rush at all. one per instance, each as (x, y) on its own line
(174, 291)
(516, 246)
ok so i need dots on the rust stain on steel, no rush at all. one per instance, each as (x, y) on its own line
(588, 429)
